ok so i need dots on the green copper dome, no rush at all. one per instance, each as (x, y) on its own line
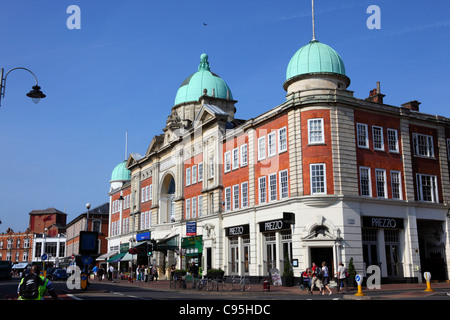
(192, 87)
(120, 172)
(315, 57)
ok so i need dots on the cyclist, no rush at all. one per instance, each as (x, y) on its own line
(34, 286)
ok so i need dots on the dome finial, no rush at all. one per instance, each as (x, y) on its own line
(204, 64)
(313, 26)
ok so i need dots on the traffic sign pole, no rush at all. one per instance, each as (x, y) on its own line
(359, 280)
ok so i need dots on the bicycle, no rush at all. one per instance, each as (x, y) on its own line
(201, 283)
(234, 283)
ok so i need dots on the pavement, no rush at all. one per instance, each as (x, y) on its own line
(386, 291)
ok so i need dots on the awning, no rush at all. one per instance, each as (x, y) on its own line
(106, 256)
(20, 266)
(127, 257)
(117, 257)
(124, 256)
(168, 244)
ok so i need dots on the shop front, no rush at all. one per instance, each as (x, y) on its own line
(239, 249)
(382, 245)
(277, 242)
(191, 251)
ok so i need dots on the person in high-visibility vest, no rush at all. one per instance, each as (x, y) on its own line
(42, 283)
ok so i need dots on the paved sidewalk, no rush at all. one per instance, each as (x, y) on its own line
(387, 291)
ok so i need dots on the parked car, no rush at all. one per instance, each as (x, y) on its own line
(58, 274)
(49, 272)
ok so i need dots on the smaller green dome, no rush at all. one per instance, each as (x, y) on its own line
(192, 87)
(315, 57)
(121, 173)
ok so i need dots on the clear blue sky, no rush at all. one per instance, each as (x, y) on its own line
(121, 70)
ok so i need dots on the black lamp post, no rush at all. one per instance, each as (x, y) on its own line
(35, 94)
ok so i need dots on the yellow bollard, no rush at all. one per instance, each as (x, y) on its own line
(359, 279)
(359, 293)
(427, 277)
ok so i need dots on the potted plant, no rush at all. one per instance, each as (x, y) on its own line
(215, 273)
(288, 275)
(351, 273)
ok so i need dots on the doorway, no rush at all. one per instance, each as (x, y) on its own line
(319, 255)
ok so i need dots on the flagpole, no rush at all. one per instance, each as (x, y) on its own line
(313, 26)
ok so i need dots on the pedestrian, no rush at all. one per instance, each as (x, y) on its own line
(306, 280)
(155, 273)
(110, 273)
(100, 273)
(172, 272)
(194, 273)
(342, 277)
(34, 286)
(141, 272)
(326, 278)
(316, 281)
(146, 273)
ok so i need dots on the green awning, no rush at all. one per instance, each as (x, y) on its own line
(117, 257)
(168, 244)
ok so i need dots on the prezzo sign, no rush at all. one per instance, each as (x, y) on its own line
(382, 222)
(273, 225)
(237, 230)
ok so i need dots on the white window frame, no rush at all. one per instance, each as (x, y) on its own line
(211, 168)
(369, 182)
(429, 145)
(194, 174)
(282, 139)
(236, 197)
(273, 187)
(375, 138)
(244, 194)
(362, 134)
(235, 158)
(319, 132)
(228, 199)
(261, 148)
(200, 205)
(188, 209)
(194, 207)
(271, 144)
(284, 185)
(394, 176)
(263, 191)
(244, 155)
(381, 173)
(311, 166)
(200, 171)
(392, 136)
(434, 192)
(227, 161)
(188, 176)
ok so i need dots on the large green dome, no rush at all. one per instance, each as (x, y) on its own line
(315, 57)
(192, 87)
(121, 173)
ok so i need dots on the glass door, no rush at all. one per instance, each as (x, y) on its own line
(271, 251)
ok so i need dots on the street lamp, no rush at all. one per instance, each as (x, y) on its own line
(35, 94)
(88, 206)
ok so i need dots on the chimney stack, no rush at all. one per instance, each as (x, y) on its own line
(412, 105)
(375, 95)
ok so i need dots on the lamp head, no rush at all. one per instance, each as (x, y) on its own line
(36, 94)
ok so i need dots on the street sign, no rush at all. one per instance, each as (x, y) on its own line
(358, 279)
(44, 257)
(87, 259)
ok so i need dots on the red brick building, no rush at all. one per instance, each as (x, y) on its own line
(324, 176)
